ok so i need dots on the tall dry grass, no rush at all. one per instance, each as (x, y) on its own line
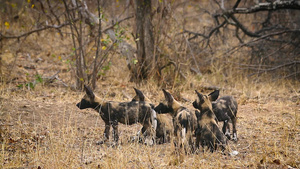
(42, 127)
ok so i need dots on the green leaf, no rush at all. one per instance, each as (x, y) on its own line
(20, 85)
(30, 84)
(38, 78)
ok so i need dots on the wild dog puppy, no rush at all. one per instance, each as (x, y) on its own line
(164, 128)
(114, 112)
(225, 109)
(184, 120)
(207, 131)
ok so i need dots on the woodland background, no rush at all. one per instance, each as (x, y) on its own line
(49, 49)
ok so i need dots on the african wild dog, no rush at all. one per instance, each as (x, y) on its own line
(184, 120)
(113, 112)
(207, 131)
(225, 109)
(164, 128)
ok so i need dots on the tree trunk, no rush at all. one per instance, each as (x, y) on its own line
(144, 40)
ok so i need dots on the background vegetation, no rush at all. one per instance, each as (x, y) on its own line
(49, 49)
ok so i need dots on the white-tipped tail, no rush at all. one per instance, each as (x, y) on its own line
(183, 132)
(153, 119)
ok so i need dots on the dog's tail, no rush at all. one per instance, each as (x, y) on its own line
(185, 124)
(153, 119)
(183, 135)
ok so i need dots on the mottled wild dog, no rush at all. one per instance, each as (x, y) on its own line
(207, 131)
(225, 109)
(113, 112)
(164, 128)
(184, 121)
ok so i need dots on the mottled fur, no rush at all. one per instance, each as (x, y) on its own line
(207, 132)
(225, 109)
(113, 112)
(184, 120)
(164, 128)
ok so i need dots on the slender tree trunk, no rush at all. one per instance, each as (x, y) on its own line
(144, 40)
(99, 35)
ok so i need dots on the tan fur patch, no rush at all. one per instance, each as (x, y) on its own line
(207, 103)
(176, 105)
(99, 100)
(206, 120)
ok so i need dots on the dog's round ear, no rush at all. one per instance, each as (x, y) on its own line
(213, 96)
(89, 92)
(140, 94)
(169, 98)
(200, 96)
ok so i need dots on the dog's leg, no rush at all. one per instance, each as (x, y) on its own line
(115, 131)
(234, 129)
(226, 128)
(105, 134)
(149, 134)
(197, 133)
(165, 139)
(211, 146)
(191, 142)
(106, 131)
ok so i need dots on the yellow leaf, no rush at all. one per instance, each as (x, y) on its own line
(102, 40)
(28, 1)
(13, 5)
(32, 5)
(59, 57)
(103, 47)
(7, 25)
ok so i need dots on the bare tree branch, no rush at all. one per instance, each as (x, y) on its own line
(267, 6)
(232, 50)
(273, 68)
(229, 14)
(117, 22)
(203, 35)
(236, 4)
(36, 30)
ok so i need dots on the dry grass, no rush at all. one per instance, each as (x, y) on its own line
(43, 127)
